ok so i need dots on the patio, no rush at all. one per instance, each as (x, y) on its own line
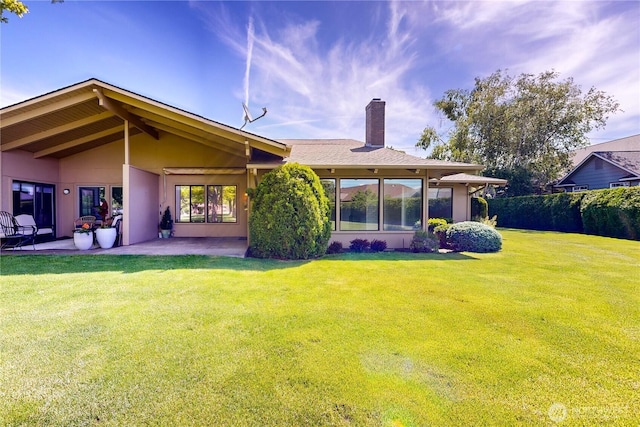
(211, 246)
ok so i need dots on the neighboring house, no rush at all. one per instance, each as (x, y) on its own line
(607, 165)
(63, 152)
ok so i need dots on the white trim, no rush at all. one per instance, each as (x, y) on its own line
(618, 184)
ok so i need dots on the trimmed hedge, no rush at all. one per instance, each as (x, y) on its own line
(290, 215)
(614, 213)
(610, 212)
(471, 236)
(479, 208)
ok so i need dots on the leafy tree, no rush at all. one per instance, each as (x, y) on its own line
(528, 122)
(16, 7)
(12, 6)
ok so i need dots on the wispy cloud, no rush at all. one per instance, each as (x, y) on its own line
(316, 81)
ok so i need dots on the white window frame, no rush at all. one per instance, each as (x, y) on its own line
(578, 188)
(618, 184)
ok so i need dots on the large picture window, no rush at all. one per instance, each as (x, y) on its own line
(329, 185)
(221, 203)
(359, 204)
(211, 203)
(441, 203)
(402, 208)
(35, 199)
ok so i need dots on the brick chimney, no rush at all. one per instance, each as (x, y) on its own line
(375, 123)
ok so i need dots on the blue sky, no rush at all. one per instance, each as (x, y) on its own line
(315, 65)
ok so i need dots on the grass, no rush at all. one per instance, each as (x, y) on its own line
(547, 329)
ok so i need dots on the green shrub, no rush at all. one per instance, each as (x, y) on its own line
(441, 234)
(423, 241)
(290, 215)
(479, 208)
(470, 236)
(613, 213)
(432, 223)
(359, 245)
(378, 245)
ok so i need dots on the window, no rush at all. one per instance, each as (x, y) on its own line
(221, 203)
(359, 201)
(116, 201)
(35, 199)
(618, 184)
(577, 188)
(218, 204)
(329, 185)
(402, 208)
(441, 203)
(90, 199)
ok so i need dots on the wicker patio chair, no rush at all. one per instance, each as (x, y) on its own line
(14, 235)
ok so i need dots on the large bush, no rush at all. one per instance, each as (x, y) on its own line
(290, 215)
(614, 213)
(470, 236)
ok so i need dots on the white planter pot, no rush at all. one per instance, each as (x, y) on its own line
(106, 237)
(165, 233)
(83, 241)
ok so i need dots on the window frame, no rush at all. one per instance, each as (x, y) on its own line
(365, 182)
(207, 216)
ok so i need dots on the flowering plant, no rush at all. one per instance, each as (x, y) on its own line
(86, 228)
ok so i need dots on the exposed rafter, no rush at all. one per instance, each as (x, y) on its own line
(117, 109)
(74, 143)
(55, 131)
(46, 109)
(196, 138)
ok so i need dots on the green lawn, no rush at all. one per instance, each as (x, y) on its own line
(547, 329)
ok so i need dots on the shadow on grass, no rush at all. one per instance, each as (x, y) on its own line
(65, 264)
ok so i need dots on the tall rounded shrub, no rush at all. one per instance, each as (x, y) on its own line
(290, 215)
(470, 236)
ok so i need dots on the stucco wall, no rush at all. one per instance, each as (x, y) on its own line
(140, 197)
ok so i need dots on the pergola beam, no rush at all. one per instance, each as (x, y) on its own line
(116, 109)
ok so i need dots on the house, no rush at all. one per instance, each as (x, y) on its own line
(62, 153)
(607, 165)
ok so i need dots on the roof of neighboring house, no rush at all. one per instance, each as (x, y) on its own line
(349, 153)
(92, 113)
(628, 161)
(629, 143)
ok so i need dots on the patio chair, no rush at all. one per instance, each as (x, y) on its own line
(14, 235)
(117, 224)
(25, 220)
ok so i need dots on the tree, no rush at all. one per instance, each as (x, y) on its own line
(529, 122)
(16, 7)
(13, 6)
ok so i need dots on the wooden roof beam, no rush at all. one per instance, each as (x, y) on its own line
(116, 109)
(76, 142)
(196, 138)
(55, 131)
(46, 109)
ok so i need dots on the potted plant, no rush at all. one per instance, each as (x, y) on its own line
(106, 234)
(166, 224)
(83, 237)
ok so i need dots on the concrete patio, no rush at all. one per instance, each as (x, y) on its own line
(210, 246)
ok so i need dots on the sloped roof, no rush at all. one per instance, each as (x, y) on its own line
(465, 178)
(629, 143)
(92, 113)
(628, 161)
(353, 154)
